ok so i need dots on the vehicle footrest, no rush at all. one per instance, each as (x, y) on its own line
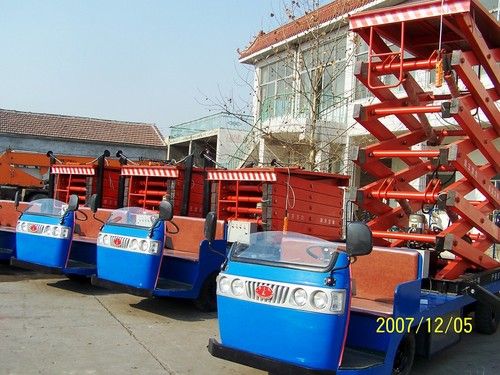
(360, 359)
(121, 287)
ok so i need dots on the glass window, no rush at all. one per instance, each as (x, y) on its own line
(276, 89)
(289, 248)
(133, 217)
(47, 207)
(323, 67)
(360, 90)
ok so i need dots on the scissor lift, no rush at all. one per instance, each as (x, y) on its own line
(459, 40)
(275, 199)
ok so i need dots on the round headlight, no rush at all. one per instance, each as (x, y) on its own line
(319, 300)
(47, 229)
(300, 297)
(105, 239)
(224, 285)
(134, 244)
(56, 231)
(144, 245)
(24, 226)
(237, 287)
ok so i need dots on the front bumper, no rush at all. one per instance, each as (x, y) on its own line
(260, 362)
(35, 267)
(121, 287)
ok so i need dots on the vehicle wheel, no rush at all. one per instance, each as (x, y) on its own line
(403, 360)
(486, 319)
(34, 197)
(78, 278)
(207, 300)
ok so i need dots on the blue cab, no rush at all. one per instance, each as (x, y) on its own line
(295, 304)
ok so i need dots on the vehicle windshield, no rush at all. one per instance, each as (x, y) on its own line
(133, 217)
(292, 249)
(47, 207)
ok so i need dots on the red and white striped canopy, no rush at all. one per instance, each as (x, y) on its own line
(85, 170)
(241, 176)
(151, 171)
(408, 12)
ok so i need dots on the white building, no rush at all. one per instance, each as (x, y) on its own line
(305, 89)
(225, 137)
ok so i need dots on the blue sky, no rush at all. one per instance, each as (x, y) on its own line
(151, 61)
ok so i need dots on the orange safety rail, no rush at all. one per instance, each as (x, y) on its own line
(148, 185)
(458, 39)
(312, 202)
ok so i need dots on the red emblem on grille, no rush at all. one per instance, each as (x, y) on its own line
(117, 241)
(264, 292)
(33, 228)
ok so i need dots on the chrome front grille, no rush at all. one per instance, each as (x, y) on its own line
(280, 292)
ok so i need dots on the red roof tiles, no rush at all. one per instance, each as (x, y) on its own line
(317, 17)
(79, 128)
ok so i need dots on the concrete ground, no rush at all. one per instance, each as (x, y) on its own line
(51, 325)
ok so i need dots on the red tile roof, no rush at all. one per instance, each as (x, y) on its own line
(83, 129)
(317, 17)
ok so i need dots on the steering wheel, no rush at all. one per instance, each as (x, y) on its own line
(319, 252)
(175, 226)
(85, 217)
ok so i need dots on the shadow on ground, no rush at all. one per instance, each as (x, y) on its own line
(174, 308)
(13, 274)
(82, 286)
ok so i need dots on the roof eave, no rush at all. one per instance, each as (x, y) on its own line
(253, 58)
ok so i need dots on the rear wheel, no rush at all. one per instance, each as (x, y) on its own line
(486, 319)
(403, 360)
(207, 300)
(78, 278)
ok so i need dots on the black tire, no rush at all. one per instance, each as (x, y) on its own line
(207, 300)
(78, 278)
(36, 196)
(403, 360)
(486, 319)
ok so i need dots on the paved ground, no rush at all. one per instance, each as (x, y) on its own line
(55, 326)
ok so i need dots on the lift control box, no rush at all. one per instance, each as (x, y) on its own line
(240, 231)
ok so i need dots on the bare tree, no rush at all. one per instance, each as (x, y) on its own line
(300, 82)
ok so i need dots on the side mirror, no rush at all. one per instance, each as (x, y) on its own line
(72, 203)
(359, 240)
(93, 201)
(17, 198)
(166, 212)
(210, 226)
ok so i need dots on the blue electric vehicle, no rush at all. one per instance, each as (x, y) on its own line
(295, 304)
(138, 255)
(44, 234)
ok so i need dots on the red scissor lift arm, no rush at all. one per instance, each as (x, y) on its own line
(469, 40)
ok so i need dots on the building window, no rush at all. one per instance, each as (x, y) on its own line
(276, 89)
(360, 90)
(322, 80)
